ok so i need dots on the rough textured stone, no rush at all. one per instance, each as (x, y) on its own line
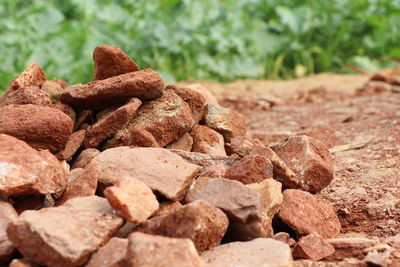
(167, 207)
(149, 250)
(309, 159)
(144, 84)
(110, 61)
(240, 145)
(271, 196)
(83, 117)
(53, 89)
(239, 202)
(26, 95)
(70, 112)
(251, 169)
(159, 168)
(133, 136)
(132, 199)
(110, 124)
(258, 252)
(41, 127)
(350, 247)
(226, 121)
(23, 263)
(203, 223)
(166, 118)
(33, 75)
(26, 171)
(66, 235)
(214, 171)
(183, 143)
(194, 99)
(208, 96)
(206, 160)
(325, 136)
(285, 238)
(111, 254)
(312, 247)
(307, 213)
(84, 158)
(7, 214)
(207, 141)
(255, 228)
(84, 184)
(74, 142)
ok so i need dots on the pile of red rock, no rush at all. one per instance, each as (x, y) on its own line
(128, 171)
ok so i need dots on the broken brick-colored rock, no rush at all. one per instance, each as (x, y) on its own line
(226, 121)
(258, 252)
(235, 199)
(240, 145)
(350, 247)
(207, 141)
(214, 171)
(163, 171)
(150, 250)
(7, 214)
(183, 143)
(306, 213)
(26, 171)
(309, 159)
(33, 75)
(271, 196)
(133, 136)
(53, 89)
(112, 254)
(144, 84)
(85, 157)
(207, 95)
(312, 247)
(251, 169)
(206, 160)
(65, 235)
(166, 118)
(111, 61)
(254, 228)
(23, 263)
(132, 199)
(74, 142)
(70, 112)
(84, 184)
(26, 95)
(167, 207)
(110, 124)
(327, 137)
(199, 221)
(285, 238)
(41, 127)
(194, 99)
(83, 117)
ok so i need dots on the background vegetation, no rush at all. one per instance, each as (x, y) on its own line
(208, 39)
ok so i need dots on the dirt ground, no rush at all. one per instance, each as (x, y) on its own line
(366, 189)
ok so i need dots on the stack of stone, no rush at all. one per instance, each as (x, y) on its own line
(128, 171)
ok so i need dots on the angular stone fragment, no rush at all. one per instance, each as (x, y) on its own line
(84, 184)
(159, 168)
(309, 159)
(144, 84)
(33, 75)
(74, 142)
(111, 254)
(194, 99)
(285, 238)
(53, 89)
(110, 124)
(84, 117)
(258, 252)
(312, 247)
(350, 247)
(208, 96)
(70, 112)
(85, 157)
(240, 145)
(7, 214)
(271, 196)
(150, 250)
(132, 199)
(66, 235)
(214, 171)
(41, 127)
(110, 61)
(251, 169)
(133, 136)
(167, 207)
(254, 228)
(239, 202)
(203, 223)
(206, 160)
(183, 143)
(166, 118)
(226, 121)
(24, 170)
(207, 141)
(26, 95)
(306, 213)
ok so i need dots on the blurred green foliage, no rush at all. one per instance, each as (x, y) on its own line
(208, 39)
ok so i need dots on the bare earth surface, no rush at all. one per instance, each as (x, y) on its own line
(366, 190)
